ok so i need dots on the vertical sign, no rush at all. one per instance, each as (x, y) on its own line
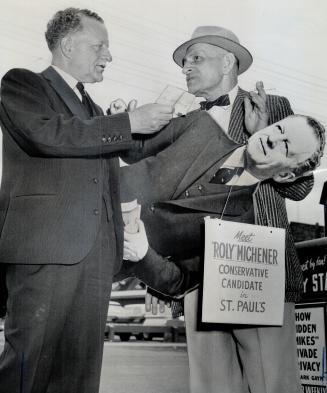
(314, 267)
(311, 346)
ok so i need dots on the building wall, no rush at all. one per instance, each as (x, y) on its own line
(303, 232)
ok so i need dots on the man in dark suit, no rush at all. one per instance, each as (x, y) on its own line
(284, 152)
(175, 224)
(212, 61)
(60, 218)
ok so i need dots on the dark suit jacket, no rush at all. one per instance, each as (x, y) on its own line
(192, 152)
(55, 162)
(175, 201)
(168, 186)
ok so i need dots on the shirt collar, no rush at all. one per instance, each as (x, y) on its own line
(70, 80)
(237, 159)
(232, 94)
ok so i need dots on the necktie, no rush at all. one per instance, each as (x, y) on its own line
(86, 101)
(220, 101)
(224, 175)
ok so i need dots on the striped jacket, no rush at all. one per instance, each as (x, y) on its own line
(269, 198)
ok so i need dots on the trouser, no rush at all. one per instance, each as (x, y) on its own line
(256, 360)
(56, 315)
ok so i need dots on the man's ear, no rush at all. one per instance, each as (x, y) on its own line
(229, 60)
(66, 45)
(284, 177)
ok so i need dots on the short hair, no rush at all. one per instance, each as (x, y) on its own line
(314, 161)
(65, 22)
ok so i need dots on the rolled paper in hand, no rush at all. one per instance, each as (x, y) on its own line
(177, 97)
(131, 211)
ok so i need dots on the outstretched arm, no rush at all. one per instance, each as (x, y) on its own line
(170, 278)
(164, 275)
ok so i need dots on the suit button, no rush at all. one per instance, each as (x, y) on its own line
(109, 139)
(187, 193)
(96, 212)
(95, 180)
(200, 187)
(152, 208)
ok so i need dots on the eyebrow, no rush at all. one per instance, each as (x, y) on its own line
(286, 147)
(282, 132)
(194, 52)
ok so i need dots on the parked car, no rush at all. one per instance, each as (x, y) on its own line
(127, 317)
(119, 315)
(123, 314)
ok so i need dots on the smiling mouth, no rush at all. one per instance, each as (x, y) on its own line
(263, 148)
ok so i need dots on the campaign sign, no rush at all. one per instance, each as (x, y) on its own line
(313, 259)
(311, 346)
(244, 274)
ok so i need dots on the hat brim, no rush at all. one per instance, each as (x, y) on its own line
(243, 55)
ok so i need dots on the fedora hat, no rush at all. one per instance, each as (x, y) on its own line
(218, 36)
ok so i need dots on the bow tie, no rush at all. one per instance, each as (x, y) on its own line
(220, 101)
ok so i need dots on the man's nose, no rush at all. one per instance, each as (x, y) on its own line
(186, 68)
(106, 54)
(277, 136)
(274, 139)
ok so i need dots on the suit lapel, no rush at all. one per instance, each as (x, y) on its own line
(214, 142)
(65, 93)
(96, 111)
(236, 125)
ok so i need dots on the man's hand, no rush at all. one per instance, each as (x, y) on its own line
(150, 118)
(136, 244)
(151, 304)
(256, 113)
(119, 106)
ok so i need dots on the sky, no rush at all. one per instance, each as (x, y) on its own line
(286, 38)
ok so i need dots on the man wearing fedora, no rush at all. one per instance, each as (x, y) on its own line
(211, 61)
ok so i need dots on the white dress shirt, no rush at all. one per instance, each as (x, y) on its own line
(70, 80)
(236, 159)
(221, 114)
